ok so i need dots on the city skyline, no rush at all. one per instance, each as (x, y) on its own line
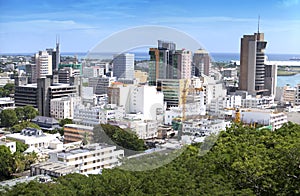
(218, 25)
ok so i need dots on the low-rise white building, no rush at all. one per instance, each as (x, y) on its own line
(218, 105)
(263, 117)
(257, 102)
(289, 94)
(34, 138)
(91, 116)
(204, 127)
(7, 103)
(90, 159)
(145, 129)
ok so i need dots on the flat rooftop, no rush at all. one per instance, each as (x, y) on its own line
(84, 149)
(55, 167)
(76, 126)
(34, 85)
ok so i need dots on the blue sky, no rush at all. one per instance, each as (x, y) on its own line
(29, 26)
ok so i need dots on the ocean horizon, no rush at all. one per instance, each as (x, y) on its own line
(216, 56)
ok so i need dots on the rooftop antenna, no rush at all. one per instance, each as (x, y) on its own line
(258, 23)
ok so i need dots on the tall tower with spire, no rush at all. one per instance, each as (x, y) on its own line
(57, 54)
(252, 63)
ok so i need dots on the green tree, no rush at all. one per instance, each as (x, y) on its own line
(8, 117)
(20, 146)
(10, 87)
(65, 121)
(20, 113)
(29, 112)
(22, 125)
(6, 163)
(7, 90)
(241, 161)
(114, 135)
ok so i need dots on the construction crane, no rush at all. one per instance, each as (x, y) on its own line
(183, 102)
(183, 97)
(237, 117)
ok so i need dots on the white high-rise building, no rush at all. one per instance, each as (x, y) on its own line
(43, 63)
(137, 99)
(61, 108)
(123, 66)
(146, 100)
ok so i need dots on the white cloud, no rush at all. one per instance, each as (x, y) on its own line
(288, 3)
(40, 26)
(201, 19)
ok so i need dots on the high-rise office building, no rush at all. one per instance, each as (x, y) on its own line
(123, 66)
(168, 63)
(43, 63)
(161, 62)
(183, 61)
(201, 62)
(252, 60)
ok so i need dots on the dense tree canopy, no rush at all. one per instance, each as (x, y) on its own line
(8, 117)
(7, 90)
(11, 117)
(65, 121)
(6, 163)
(114, 135)
(243, 161)
(22, 125)
(29, 112)
(16, 162)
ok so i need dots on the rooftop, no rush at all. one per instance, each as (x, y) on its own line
(32, 132)
(79, 126)
(55, 167)
(83, 149)
(44, 119)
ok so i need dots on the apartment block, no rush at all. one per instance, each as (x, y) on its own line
(62, 108)
(90, 159)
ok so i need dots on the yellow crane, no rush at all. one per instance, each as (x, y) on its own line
(183, 97)
(237, 117)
